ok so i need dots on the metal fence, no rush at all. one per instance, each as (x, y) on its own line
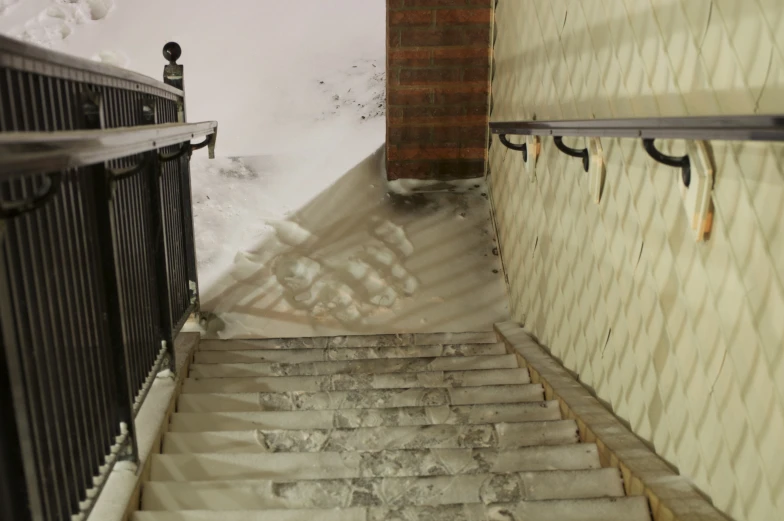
(97, 267)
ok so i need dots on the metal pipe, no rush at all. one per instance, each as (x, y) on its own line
(721, 128)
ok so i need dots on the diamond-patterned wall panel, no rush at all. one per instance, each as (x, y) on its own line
(685, 340)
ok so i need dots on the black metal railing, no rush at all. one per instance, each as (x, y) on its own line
(696, 168)
(97, 267)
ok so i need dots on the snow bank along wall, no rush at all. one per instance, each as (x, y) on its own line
(438, 85)
(683, 340)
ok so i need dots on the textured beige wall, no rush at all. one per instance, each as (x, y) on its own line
(683, 340)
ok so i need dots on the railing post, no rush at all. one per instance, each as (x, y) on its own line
(188, 232)
(118, 354)
(161, 263)
(174, 74)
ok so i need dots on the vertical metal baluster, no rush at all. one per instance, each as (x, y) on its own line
(159, 247)
(86, 389)
(175, 242)
(184, 291)
(166, 213)
(189, 231)
(103, 371)
(128, 276)
(13, 98)
(28, 120)
(20, 498)
(77, 307)
(49, 295)
(181, 287)
(141, 346)
(38, 364)
(103, 355)
(74, 320)
(150, 334)
(54, 213)
(126, 280)
(117, 354)
(6, 117)
(67, 354)
(147, 337)
(169, 232)
(100, 372)
(24, 119)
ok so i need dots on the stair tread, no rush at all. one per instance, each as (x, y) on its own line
(374, 428)
(374, 366)
(347, 353)
(387, 463)
(485, 337)
(604, 509)
(345, 382)
(494, 435)
(368, 399)
(394, 492)
(355, 418)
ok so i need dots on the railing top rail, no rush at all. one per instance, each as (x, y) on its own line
(29, 58)
(42, 152)
(722, 128)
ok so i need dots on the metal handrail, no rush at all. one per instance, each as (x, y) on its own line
(697, 170)
(721, 128)
(28, 58)
(43, 152)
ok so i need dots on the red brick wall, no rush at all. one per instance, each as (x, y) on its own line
(438, 85)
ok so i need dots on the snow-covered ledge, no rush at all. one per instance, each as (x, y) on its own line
(120, 497)
(672, 497)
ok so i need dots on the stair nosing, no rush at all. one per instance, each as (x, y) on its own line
(452, 411)
(272, 366)
(240, 352)
(638, 504)
(422, 374)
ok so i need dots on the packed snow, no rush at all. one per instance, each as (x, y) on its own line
(296, 231)
(359, 259)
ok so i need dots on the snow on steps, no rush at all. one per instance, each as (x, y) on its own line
(390, 492)
(501, 436)
(294, 356)
(390, 428)
(377, 366)
(348, 382)
(385, 463)
(367, 399)
(418, 339)
(355, 418)
(614, 509)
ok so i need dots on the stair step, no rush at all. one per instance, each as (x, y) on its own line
(356, 418)
(479, 337)
(343, 382)
(605, 509)
(487, 337)
(498, 435)
(389, 463)
(297, 356)
(369, 399)
(377, 366)
(389, 492)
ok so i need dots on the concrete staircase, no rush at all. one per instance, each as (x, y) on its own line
(392, 428)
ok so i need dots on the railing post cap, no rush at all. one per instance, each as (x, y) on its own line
(172, 52)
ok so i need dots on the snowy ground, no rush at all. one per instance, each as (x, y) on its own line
(357, 260)
(294, 231)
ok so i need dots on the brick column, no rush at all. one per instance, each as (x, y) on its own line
(438, 88)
